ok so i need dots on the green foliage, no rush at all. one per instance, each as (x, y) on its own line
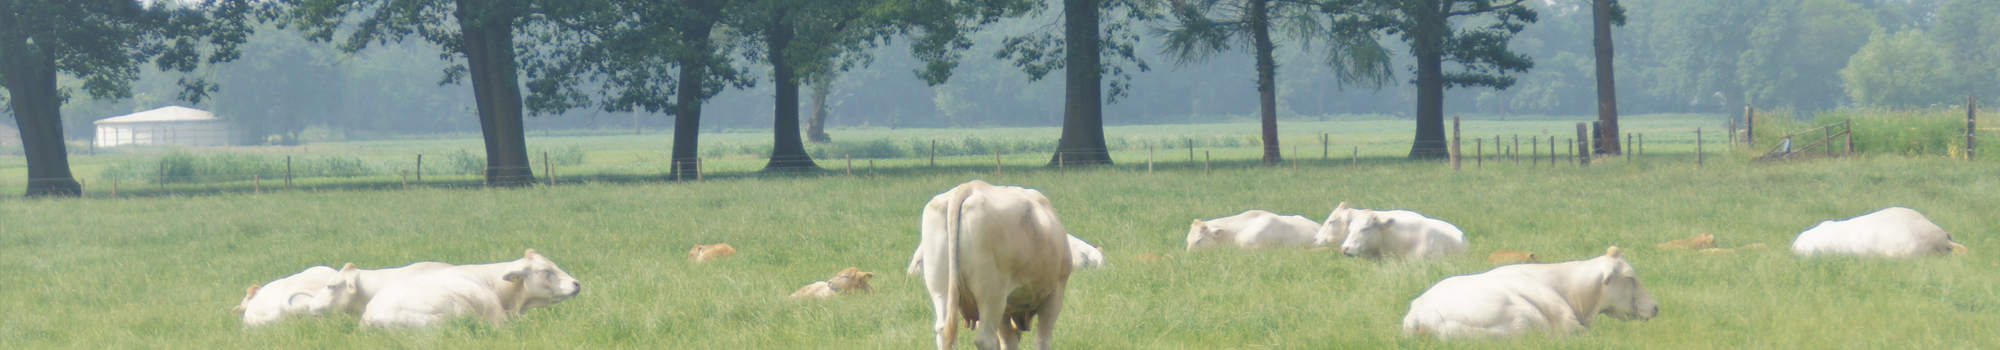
(1905, 69)
(566, 155)
(1970, 29)
(1920, 132)
(178, 167)
(465, 162)
(1796, 51)
(1480, 52)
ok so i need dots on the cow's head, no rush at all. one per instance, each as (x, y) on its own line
(541, 283)
(1334, 230)
(1364, 234)
(342, 293)
(247, 294)
(1201, 235)
(1624, 297)
(851, 280)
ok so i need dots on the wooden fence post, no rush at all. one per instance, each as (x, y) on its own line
(1847, 128)
(871, 167)
(288, 172)
(1325, 149)
(1060, 168)
(1357, 155)
(1628, 146)
(997, 170)
(1190, 150)
(1582, 145)
(1971, 113)
(1732, 132)
(1697, 147)
(1515, 152)
(547, 167)
(256, 184)
(1295, 157)
(1204, 162)
(1149, 160)
(933, 153)
(1454, 143)
(697, 170)
(1478, 153)
(1534, 151)
(420, 167)
(850, 164)
(1750, 127)
(162, 180)
(406, 179)
(114, 187)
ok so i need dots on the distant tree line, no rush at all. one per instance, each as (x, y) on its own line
(386, 66)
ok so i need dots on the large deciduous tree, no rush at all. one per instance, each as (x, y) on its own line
(659, 56)
(1603, 14)
(1899, 70)
(1480, 53)
(102, 43)
(481, 32)
(1080, 52)
(801, 39)
(1201, 28)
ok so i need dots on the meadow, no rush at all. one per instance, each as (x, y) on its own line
(157, 270)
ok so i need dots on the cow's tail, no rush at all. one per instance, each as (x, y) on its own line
(952, 215)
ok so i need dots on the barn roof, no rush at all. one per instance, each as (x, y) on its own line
(162, 114)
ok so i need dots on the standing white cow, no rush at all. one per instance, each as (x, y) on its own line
(997, 256)
(1254, 229)
(492, 292)
(1891, 232)
(283, 297)
(351, 288)
(1082, 254)
(1401, 234)
(1558, 298)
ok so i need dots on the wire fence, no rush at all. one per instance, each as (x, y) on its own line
(187, 174)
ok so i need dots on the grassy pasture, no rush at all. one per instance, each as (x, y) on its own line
(162, 272)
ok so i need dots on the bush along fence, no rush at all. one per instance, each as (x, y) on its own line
(189, 173)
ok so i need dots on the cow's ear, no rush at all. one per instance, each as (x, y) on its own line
(1612, 252)
(1343, 205)
(347, 268)
(515, 276)
(530, 254)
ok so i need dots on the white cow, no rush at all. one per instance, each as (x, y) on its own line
(1254, 229)
(1081, 255)
(1333, 231)
(996, 256)
(1401, 234)
(283, 297)
(492, 292)
(1892, 232)
(1558, 298)
(351, 288)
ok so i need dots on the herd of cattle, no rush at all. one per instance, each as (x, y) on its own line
(999, 254)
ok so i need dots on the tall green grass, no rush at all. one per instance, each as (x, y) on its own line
(182, 167)
(163, 272)
(1916, 132)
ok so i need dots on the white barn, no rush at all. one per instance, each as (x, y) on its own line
(170, 125)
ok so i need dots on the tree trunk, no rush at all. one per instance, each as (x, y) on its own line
(31, 86)
(816, 127)
(689, 96)
(1082, 140)
(489, 55)
(787, 151)
(1607, 88)
(1267, 86)
(1428, 50)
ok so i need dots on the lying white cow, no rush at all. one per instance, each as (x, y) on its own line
(491, 292)
(351, 288)
(1253, 229)
(1892, 232)
(1557, 298)
(1401, 234)
(1081, 255)
(1333, 231)
(996, 256)
(283, 297)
